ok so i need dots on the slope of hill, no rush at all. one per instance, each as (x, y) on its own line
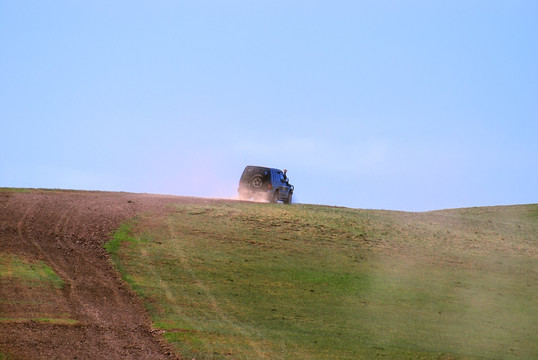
(59, 295)
(226, 279)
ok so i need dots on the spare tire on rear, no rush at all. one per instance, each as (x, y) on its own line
(256, 181)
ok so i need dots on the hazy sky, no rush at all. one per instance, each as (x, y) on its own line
(403, 105)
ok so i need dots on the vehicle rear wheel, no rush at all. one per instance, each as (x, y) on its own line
(274, 199)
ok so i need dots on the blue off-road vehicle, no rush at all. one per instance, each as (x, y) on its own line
(265, 184)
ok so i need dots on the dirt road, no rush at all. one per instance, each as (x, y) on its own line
(66, 230)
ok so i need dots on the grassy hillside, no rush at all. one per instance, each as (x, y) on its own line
(243, 281)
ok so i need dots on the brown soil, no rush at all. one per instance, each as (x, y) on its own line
(66, 230)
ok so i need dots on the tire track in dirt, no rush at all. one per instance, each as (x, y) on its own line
(79, 309)
(39, 251)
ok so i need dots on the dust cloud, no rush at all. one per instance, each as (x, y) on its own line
(204, 176)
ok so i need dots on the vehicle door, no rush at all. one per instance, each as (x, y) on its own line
(283, 187)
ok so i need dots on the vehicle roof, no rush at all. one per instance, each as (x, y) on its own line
(262, 167)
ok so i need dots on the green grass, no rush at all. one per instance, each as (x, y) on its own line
(43, 320)
(4, 356)
(14, 190)
(244, 281)
(35, 273)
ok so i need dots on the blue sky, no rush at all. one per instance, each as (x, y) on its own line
(402, 105)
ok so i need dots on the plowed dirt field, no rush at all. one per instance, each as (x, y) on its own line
(66, 230)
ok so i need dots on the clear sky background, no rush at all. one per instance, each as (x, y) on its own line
(403, 105)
